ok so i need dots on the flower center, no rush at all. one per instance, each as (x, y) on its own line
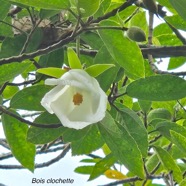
(77, 99)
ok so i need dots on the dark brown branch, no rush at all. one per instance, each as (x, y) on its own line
(164, 51)
(14, 11)
(22, 83)
(29, 122)
(3, 87)
(53, 47)
(178, 34)
(155, 51)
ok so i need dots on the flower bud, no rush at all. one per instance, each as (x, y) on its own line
(136, 34)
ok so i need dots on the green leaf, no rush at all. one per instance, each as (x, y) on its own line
(90, 141)
(169, 163)
(101, 166)
(73, 59)
(176, 21)
(164, 128)
(44, 14)
(92, 39)
(167, 4)
(84, 169)
(35, 40)
(183, 182)
(169, 105)
(53, 59)
(179, 140)
(152, 162)
(74, 135)
(95, 160)
(130, 121)
(179, 7)
(139, 20)
(169, 40)
(29, 98)
(121, 49)
(160, 113)
(4, 9)
(106, 79)
(89, 7)
(12, 46)
(8, 70)
(38, 135)
(122, 145)
(158, 88)
(9, 91)
(176, 62)
(162, 29)
(96, 70)
(145, 105)
(52, 71)
(176, 153)
(104, 5)
(50, 4)
(6, 30)
(15, 132)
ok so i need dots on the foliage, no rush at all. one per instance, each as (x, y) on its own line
(144, 129)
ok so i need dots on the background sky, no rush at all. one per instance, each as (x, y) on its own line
(63, 169)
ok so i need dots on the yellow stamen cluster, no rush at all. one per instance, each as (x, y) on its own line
(77, 99)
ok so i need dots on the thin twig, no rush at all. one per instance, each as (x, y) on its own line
(3, 87)
(9, 154)
(29, 122)
(114, 12)
(22, 83)
(155, 169)
(4, 144)
(132, 15)
(21, 31)
(155, 139)
(176, 31)
(181, 105)
(41, 165)
(106, 28)
(29, 36)
(31, 17)
(132, 179)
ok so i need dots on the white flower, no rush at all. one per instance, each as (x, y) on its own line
(77, 100)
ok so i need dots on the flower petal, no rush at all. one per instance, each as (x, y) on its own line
(60, 100)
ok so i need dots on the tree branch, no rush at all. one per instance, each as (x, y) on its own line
(41, 165)
(114, 12)
(29, 122)
(155, 51)
(53, 47)
(132, 179)
(164, 51)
